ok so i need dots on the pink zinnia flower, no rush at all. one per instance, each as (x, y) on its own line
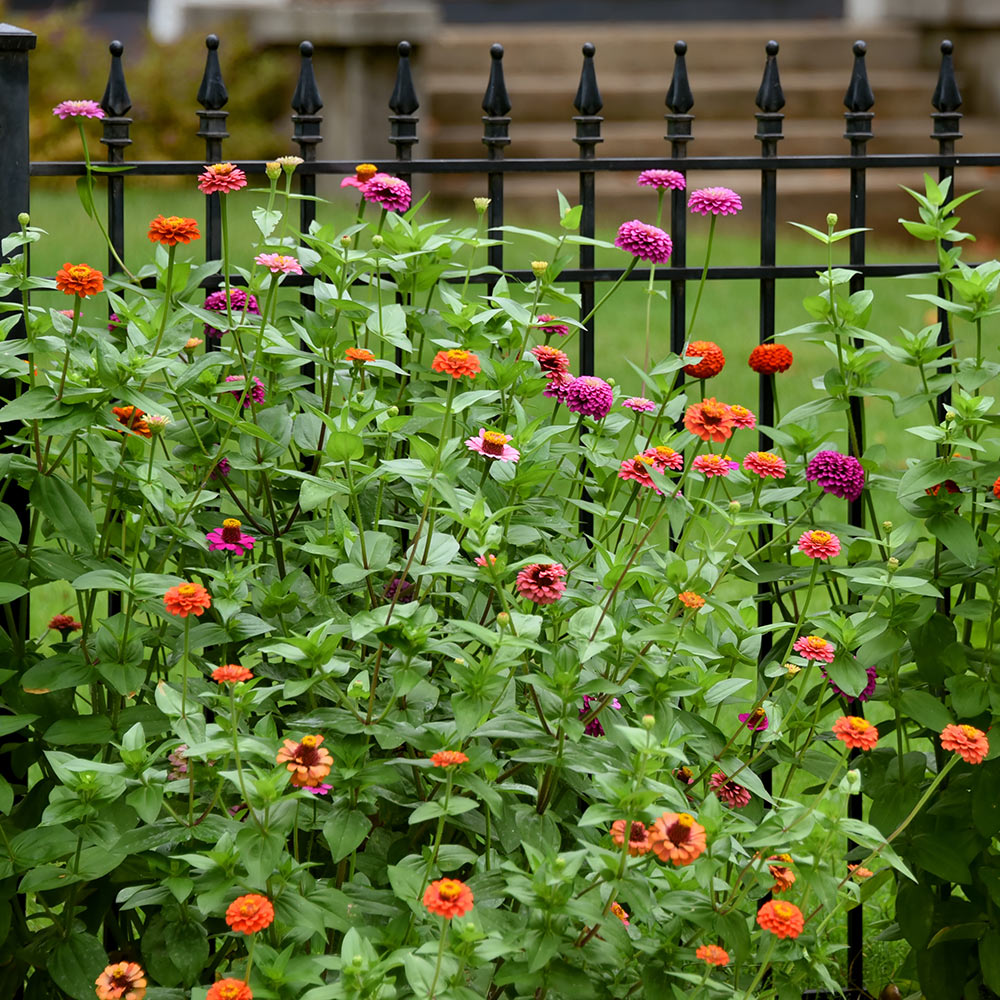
(640, 404)
(869, 688)
(589, 396)
(392, 193)
(256, 393)
(644, 241)
(664, 457)
(78, 109)
(222, 468)
(819, 544)
(230, 537)
(559, 382)
(542, 582)
(482, 560)
(715, 201)
(812, 647)
(278, 263)
(493, 444)
(545, 324)
(714, 465)
(550, 359)
(837, 474)
(742, 417)
(662, 179)
(637, 469)
(594, 727)
(765, 464)
(221, 178)
(317, 789)
(734, 795)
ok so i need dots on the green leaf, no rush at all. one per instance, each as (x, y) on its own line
(188, 945)
(571, 219)
(65, 510)
(925, 709)
(11, 592)
(265, 220)
(86, 195)
(34, 405)
(75, 963)
(343, 446)
(10, 524)
(344, 831)
(957, 535)
(12, 723)
(86, 729)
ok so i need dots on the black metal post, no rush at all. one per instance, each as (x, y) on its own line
(496, 104)
(403, 103)
(679, 102)
(116, 104)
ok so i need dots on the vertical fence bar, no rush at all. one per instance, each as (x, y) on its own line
(679, 101)
(496, 104)
(116, 104)
(858, 100)
(403, 103)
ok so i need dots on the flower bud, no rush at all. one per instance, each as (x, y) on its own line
(377, 241)
(851, 782)
(23, 219)
(559, 864)
(892, 564)
(273, 169)
(735, 506)
(157, 424)
(831, 219)
(950, 415)
(289, 163)
(481, 204)
(460, 661)
(393, 411)
(887, 525)
(792, 669)
(503, 619)
(648, 721)
(539, 267)
(345, 241)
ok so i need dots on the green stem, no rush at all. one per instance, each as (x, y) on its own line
(704, 275)
(166, 298)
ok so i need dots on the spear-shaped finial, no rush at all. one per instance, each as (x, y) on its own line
(212, 94)
(859, 96)
(496, 103)
(404, 96)
(116, 102)
(947, 98)
(680, 100)
(588, 97)
(306, 99)
(770, 97)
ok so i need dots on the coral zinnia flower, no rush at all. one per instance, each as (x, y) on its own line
(644, 241)
(730, 792)
(710, 420)
(742, 417)
(712, 359)
(173, 230)
(620, 912)
(121, 981)
(229, 989)
(456, 363)
(487, 560)
(819, 544)
(637, 468)
(967, 741)
(767, 359)
(64, 623)
(278, 263)
(784, 877)
(812, 647)
(79, 279)
(766, 464)
(781, 918)
(664, 457)
(670, 179)
(996, 487)
(589, 396)
(715, 201)
(638, 837)
(249, 914)
(448, 758)
(493, 444)
(542, 583)
(359, 355)
(231, 673)
(691, 600)
(132, 418)
(857, 733)
(230, 537)
(545, 323)
(391, 193)
(307, 760)
(221, 178)
(639, 404)
(712, 954)
(448, 897)
(78, 109)
(187, 599)
(677, 837)
(714, 465)
(550, 359)
(860, 872)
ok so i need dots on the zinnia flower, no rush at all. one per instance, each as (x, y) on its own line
(221, 178)
(289, 163)
(187, 599)
(715, 201)
(494, 445)
(229, 989)
(257, 392)
(784, 877)
(456, 363)
(132, 418)
(860, 872)
(812, 647)
(756, 721)
(691, 600)
(178, 762)
(392, 193)
(712, 954)
(559, 382)
(710, 420)
(363, 173)
(594, 727)
(664, 457)
(996, 487)
(868, 691)
(278, 263)
(857, 733)
(448, 897)
(638, 837)
(669, 179)
(487, 560)
(714, 465)
(620, 913)
(221, 468)
(767, 359)
(239, 302)
(840, 475)
(249, 914)
(231, 673)
(640, 404)
(819, 544)
(730, 792)
(765, 464)
(192, 342)
(398, 584)
(64, 624)
(637, 468)
(172, 230)
(542, 582)
(712, 359)
(550, 359)
(359, 355)
(545, 322)
(78, 109)
(122, 980)
(677, 837)
(317, 789)
(448, 758)
(781, 918)
(79, 279)
(589, 396)
(644, 241)
(742, 418)
(967, 741)
(230, 537)
(307, 760)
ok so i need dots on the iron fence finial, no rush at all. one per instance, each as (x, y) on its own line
(404, 95)
(496, 103)
(212, 94)
(859, 96)
(947, 98)
(116, 101)
(679, 100)
(770, 97)
(306, 99)
(588, 96)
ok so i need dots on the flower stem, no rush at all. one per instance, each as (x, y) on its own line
(704, 275)
(166, 297)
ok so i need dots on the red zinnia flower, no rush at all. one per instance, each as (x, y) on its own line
(121, 981)
(187, 599)
(860, 872)
(743, 418)
(542, 582)
(781, 918)
(857, 733)
(967, 741)
(620, 912)
(996, 488)
(664, 457)
(638, 837)
(448, 758)
(714, 465)
(231, 673)
(637, 468)
(712, 359)
(229, 989)
(173, 230)
(448, 897)
(222, 178)
(784, 877)
(710, 420)
(767, 359)
(712, 954)
(307, 760)
(79, 279)
(64, 623)
(730, 792)
(249, 914)
(456, 363)
(677, 837)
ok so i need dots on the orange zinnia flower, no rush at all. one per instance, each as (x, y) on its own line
(860, 872)
(187, 599)
(710, 420)
(231, 673)
(677, 837)
(456, 363)
(79, 279)
(784, 877)
(229, 989)
(249, 914)
(448, 758)
(712, 954)
(620, 912)
(448, 897)
(638, 837)
(967, 741)
(359, 355)
(307, 761)
(132, 418)
(781, 918)
(121, 981)
(857, 733)
(712, 359)
(691, 600)
(173, 230)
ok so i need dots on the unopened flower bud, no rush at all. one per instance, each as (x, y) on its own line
(539, 267)
(289, 163)
(157, 424)
(357, 961)
(273, 169)
(559, 864)
(611, 381)
(460, 661)
(377, 241)
(950, 415)
(735, 506)
(503, 619)
(356, 689)
(831, 219)
(23, 218)
(892, 564)
(345, 241)
(648, 721)
(792, 669)
(481, 204)
(393, 411)
(887, 525)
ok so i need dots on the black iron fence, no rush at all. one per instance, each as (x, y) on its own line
(17, 169)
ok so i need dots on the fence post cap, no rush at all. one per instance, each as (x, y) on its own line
(14, 39)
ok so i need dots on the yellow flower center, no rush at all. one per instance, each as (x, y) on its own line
(815, 642)
(738, 411)
(685, 819)
(222, 168)
(450, 889)
(456, 354)
(820, 537)
(310, 741)
(187, 589)
(769, 456)
(174, 220)
(79, 270)
(231, 522)
(644, 459)
(363, 171)
(859, 725)
(495, 437)
(783, 910)
(713, 411)
(970, 731)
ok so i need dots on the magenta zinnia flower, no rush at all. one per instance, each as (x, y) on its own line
(715, 201)
(818, 544)
(640, 404)
(221, 469)
(756, 721)
(542, 582)
(765, 464)
(590, 396)
(644, 241)
(221, 178)
(78, 109)
(868, 691)
(662, 179)
(403, 586)
(317, 789)
(230, 537)
(392, 193)
(840, 475)
(493, 444)
(240, 302)
(278, 263)
(256, 393)
(812, 647)
(734, 795)
(545, 323)
(594, 727)
(559, 382)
